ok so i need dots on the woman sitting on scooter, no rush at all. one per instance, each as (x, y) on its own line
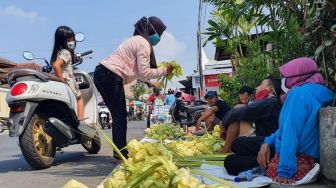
(62, 60)
(132, 60)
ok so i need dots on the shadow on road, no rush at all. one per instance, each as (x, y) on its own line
(67, 164)
(18, 164)
(90, 165)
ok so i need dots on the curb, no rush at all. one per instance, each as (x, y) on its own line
(101, 185)
(4, 133)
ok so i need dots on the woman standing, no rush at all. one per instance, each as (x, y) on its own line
(134, 59)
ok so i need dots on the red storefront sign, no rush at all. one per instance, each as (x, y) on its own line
(211, 80)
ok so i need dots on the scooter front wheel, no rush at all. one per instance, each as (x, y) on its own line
(36, 145)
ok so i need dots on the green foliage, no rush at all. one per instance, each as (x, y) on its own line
(293, 28)
(233, 21)
(287, 43)
(256, 66)
(138, 89)
(229, 89)
(320, 33)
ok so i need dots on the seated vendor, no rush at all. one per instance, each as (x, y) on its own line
(264, 113)
(245, 96)
(295, 145)
(213, 115)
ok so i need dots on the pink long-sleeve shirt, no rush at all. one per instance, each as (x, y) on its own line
(131, 61)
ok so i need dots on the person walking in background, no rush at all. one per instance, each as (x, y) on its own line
(170, 98)
(134, 59)
(156, 98)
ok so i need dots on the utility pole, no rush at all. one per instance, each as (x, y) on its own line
(199, 46)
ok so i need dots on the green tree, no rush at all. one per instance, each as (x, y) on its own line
(294, 28)
(229, 89)
(320, 33)
(138, 90)
(276, 22)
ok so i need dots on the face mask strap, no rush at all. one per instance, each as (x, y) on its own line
(276, 94)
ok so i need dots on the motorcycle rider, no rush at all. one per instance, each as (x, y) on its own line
(102, 110)
(132, 60)
(62, 60)
(179, 106)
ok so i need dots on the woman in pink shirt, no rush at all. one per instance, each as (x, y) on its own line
(134, 59)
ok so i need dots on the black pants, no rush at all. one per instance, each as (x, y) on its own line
(148, 120)
(111, 88)
(245, 155)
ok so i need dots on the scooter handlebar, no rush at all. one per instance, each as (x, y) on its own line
(85, 53)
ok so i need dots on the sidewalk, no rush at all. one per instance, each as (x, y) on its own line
(321, 183)
(4, 133)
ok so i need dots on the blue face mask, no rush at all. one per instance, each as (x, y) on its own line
(154, 39)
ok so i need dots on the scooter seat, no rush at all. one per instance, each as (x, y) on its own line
(13, 75)
(187, 123)
(52, 77)
(191, 109)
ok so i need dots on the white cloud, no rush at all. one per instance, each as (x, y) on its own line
(17, 12)
(169, 48)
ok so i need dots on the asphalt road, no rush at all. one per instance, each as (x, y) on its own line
(74, 163)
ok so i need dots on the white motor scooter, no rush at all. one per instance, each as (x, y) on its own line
(104, 116)
(43, 112)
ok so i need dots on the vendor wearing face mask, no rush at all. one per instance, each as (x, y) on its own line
(134, 59)
(264, 113)
(292, 151)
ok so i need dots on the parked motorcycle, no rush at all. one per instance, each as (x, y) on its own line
(104, 116)
(43, 112)
(187, 115)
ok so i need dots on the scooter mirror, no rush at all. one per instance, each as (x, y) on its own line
(28, 55)
(79, 37)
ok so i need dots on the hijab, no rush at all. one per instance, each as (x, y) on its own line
(300, 71)
(146, 27)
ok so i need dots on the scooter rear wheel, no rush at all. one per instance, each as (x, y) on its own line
(36, 145)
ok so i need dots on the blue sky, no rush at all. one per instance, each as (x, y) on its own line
(30, 25)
